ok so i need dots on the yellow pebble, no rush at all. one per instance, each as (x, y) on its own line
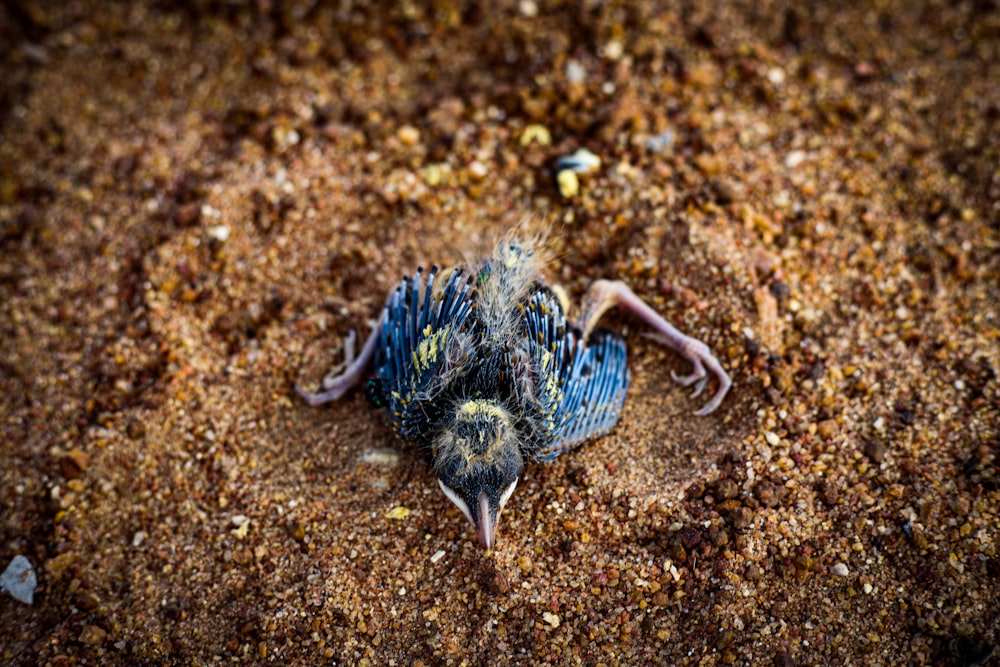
(399, 512)
(536, 134)
(569, 183)
(408, 135)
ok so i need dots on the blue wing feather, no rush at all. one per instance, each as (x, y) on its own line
(597, 380)
(412, 354)
(579, 386)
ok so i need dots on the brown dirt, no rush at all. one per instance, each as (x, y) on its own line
(197, 203)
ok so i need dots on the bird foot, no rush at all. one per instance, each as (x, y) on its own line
(336, 383)
(605, 294)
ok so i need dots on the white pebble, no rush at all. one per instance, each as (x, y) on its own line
(384, 457)
(528, 8)
(19, 580)
(613, 50)
(582, 162)
(794, 159)
(840, 569)
(219, 232)
(438, 555)
(575, 73)
(478, 170)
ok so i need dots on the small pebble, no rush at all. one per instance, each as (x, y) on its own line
(398, 512)
(242, 524)
(726, 191)
(776, 75)
(478, 170)
(19, 580)
(575, 73)
(432, 174)
(660, 142)
(710, 165)
(794, 159)
(875, 450)
(864, 70)
(528, 8)
(219, 232)
(552, 619)
(536, 134)
(384, 457)
(840, 569)
(582, 162)
(93, 635)
(408, 135)
(726, 489)
(613, 50)
(827, 428)
(569, 183)
(438, 555)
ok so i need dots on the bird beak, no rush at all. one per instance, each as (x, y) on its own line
(486, 529)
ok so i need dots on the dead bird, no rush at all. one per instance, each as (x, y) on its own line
(481, 368)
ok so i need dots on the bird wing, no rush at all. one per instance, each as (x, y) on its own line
(579, 385)
(418, 342)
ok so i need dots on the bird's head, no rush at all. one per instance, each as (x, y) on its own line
(478, 461)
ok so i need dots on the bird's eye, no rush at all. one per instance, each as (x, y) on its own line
(457, 499)
(507, 493)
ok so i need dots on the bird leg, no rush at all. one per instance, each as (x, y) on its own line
(336, 386)
(350, 350)
(606, 294)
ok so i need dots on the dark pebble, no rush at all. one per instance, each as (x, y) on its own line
(875, 450)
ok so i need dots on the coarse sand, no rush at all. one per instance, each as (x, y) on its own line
(200, 200)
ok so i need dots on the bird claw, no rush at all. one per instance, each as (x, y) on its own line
(346, 374)
(699, 378)
(700, 356)
(332, 378)
(688, 380)
(328, 394)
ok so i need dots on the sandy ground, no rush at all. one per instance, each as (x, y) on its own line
(198, 203)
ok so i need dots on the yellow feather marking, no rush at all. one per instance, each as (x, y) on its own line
(551, 388)
(481, 407)
(428, 348)
(511, 257)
